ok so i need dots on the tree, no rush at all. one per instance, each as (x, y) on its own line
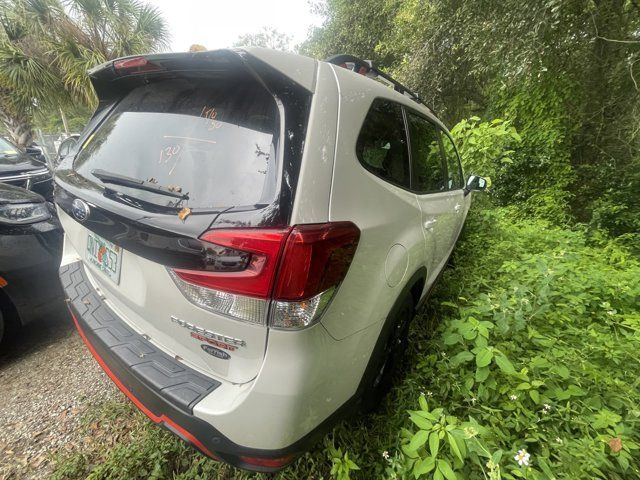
(267, 38)
(47, 46)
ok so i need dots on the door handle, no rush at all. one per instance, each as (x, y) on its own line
(428, 224)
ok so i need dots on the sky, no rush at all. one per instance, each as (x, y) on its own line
(217, 24)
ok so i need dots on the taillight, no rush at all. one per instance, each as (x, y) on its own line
(245, 265)
(135, 65)
(296, 271)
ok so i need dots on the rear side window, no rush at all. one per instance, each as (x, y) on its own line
(428, 170)
(455, 180)
(382, 144)
(214, 140)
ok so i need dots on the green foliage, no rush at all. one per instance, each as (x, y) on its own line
(539, 179)
(485, 148)
(540, 351)
(341, 465)
(50, 121)
(47, 47)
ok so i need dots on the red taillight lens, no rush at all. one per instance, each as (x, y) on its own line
(135, 65)
(298, 268)
(315, 258)
(256, 280)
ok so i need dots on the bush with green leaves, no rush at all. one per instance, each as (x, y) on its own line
(538, 354)
(485, 148)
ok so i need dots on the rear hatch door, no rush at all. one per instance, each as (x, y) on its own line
(201, 144)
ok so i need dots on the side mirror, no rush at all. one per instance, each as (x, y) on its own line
(33, 151)
(475, 183)
(36, 153)
(65, 147)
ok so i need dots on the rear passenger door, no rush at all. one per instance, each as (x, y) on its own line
(455, 184)
(429, 180)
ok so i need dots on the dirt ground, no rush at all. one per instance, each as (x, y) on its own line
(47, 379)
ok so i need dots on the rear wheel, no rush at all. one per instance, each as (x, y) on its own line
(389, 363)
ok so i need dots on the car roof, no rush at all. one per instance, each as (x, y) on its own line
(299, 68)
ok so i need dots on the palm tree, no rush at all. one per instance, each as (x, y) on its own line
(47, 46)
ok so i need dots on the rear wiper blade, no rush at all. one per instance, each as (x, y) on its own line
(117, 179)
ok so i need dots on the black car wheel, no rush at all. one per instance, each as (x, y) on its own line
(389, 362)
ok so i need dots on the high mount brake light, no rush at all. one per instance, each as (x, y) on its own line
(298, 269)
(135, 65)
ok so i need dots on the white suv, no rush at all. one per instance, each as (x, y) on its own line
(248, 234)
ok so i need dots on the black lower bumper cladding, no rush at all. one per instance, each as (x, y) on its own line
(164, 389)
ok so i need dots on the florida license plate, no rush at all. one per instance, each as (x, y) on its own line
(106, 256)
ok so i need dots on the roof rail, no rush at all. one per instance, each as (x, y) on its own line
(367, 68)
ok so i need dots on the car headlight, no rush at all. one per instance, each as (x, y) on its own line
(23, 213)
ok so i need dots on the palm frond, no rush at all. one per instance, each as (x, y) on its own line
(47, 46)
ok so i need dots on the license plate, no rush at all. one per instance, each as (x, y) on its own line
(104, 255)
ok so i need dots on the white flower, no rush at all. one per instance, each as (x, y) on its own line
(513, 397)
(558, 440)
(522, 457)
(385, 455)
(611, 312)
(546, 408)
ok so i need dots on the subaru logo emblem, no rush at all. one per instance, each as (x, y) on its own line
(80, 209)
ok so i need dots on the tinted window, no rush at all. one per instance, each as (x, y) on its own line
(382, 145)
(213, 140)
(454, 171)
(7, 148)
(426, 158)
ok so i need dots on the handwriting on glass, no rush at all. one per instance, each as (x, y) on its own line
(211, 114)
(170, 153)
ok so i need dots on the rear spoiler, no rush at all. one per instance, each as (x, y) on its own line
(113, 79)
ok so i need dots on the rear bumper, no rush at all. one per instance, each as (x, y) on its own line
(164, 389)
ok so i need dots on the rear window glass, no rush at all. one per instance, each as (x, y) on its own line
(215, 141)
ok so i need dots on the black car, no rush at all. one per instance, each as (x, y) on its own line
(30, 252)
(28, 170)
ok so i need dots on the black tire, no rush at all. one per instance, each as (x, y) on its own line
(389, 362)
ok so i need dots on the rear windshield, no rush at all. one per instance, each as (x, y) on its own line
(215, 141)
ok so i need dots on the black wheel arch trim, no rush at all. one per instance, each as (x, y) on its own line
(378, 352)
